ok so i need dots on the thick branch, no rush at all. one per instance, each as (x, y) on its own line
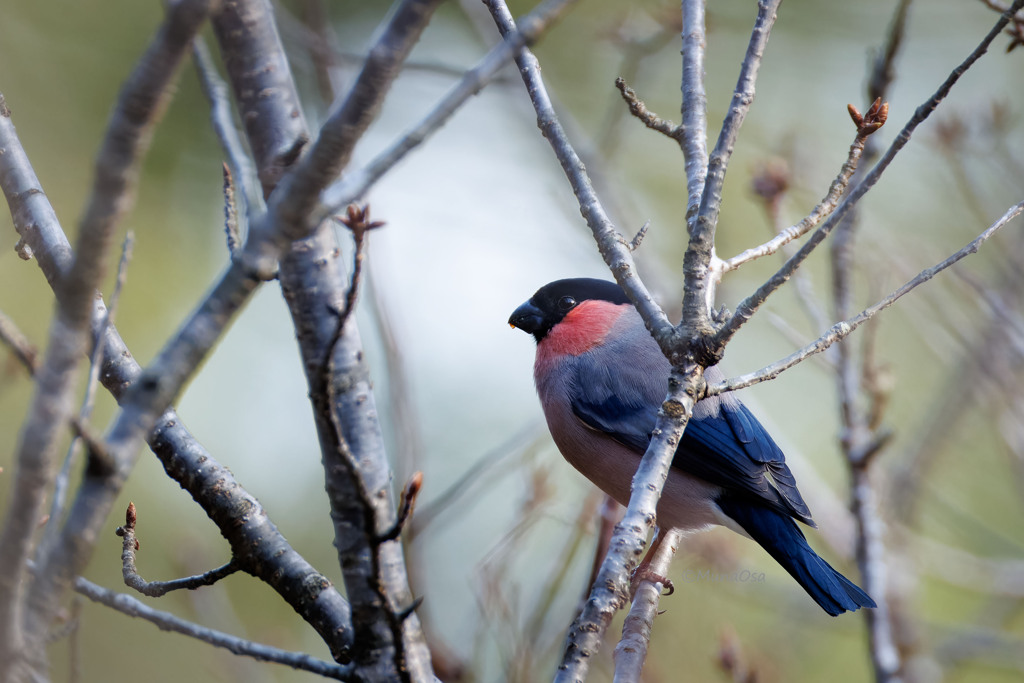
(239, 516)
(142, 100)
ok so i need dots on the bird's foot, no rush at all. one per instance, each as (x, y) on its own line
(644, 573)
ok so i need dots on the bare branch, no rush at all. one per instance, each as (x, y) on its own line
(142, 100)
(354, 186)
(702, 231)
(638, 109)
(694, 104)
(155, 589)
(237, 514)
(631, 652)
(132, 607)
(613, 246)
(230, 212)
(216, 91)
(263, 88)
(19, 344)
(750, 305)
(95, 448)
(329, 155)
(842, 329)
(823, 209)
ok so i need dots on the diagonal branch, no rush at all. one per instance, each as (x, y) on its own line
(355, 185)
(238, 515)
(165, 621)
(142, 100)
(843, 329)
(752, 303)
(613, 246)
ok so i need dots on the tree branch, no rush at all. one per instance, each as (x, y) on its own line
(694, 106)
(355, 185)
(842, 329)
(142, 100)
(238, 515)
(752, 303)
(631, 652)
(165, 621)
(156, 589)
(613, 246)
(698, 300)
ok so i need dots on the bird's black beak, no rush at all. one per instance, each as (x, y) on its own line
(527, 317)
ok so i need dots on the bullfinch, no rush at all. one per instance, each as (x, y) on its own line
(601, 379)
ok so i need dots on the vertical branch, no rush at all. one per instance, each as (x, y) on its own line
(694, 128)
(263, 86)
(312, 282)
(862, 436)
(698, 296)
(143, 99)
(631, 652)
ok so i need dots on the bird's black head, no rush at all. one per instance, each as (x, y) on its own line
(553, 301)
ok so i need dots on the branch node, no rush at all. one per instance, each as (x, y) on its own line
(638, 109)
(634, 244)
(405, 508)
(404, 614)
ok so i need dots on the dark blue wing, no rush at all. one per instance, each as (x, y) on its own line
(724, 444)
(628, 422)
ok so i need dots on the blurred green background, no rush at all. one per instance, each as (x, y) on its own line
(477, 220)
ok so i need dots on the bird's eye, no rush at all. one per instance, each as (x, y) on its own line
(566, 303)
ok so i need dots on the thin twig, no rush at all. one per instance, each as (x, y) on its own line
(638, 109)
(819, 212)
(95, 447)
(218, 95)
(514, 447)
(842, 329)
(231, 231)
(355, 185)
(132, 607)
(752, 303)
(155, 589)
(19, 344)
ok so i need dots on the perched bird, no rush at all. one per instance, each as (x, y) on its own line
(601, 379)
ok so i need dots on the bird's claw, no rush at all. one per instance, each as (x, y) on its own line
(644, 573)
